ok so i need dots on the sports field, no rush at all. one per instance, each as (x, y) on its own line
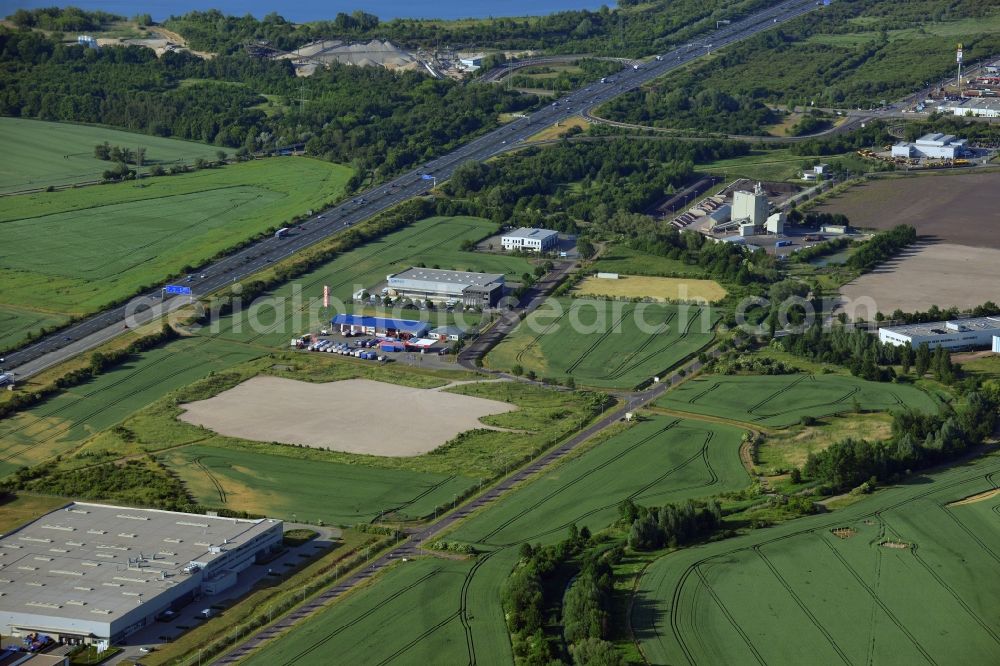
(39, 153)
(898, 578)
(63, 422)
(74, 251)
(335, 493)
(781, 400)
(604, 343)
(434, 241)
(450, 612)
(657, 288)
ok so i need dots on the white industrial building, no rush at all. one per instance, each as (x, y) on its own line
(958, 334)
(751, 207)
(92, 572)
(534, 240)
(981, 107)
(934, 146)
(471, 289)
(471, 62)
(996, 344)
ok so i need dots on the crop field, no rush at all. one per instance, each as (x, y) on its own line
(781, 400)
(335, 493)
(74, 251)
(899, 577)
(625, 260)
(451, 611)
(604, 343)
(656, 288)
(63, 422)
(943, 274)
(38, 153)
(434, 241)
(16, 323)
(954, 208)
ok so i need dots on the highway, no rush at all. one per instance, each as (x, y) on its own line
(103, 326)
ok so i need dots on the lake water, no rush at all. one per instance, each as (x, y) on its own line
(315, 11)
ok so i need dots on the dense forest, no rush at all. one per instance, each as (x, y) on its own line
(401, 119)
(633, 31)
(834, 57)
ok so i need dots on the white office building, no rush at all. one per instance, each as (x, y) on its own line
(530, 240)
(977, 333)
(93, 572)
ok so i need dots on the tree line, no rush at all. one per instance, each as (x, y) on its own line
(918, 441)
(402, 119)
(882, 246)
(633, 30)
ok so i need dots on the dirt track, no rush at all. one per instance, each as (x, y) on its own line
(939, 274)
(960, 208)
(355, 416)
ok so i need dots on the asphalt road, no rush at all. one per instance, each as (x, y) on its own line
(103, 326)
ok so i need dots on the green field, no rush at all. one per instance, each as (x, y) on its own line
(604, 343)
(74, 251)
(434, 241)
(38, 153)
(450, 612)
(308, 490)
(625, 260)
(16, 323)
(781, 400)
(777, 165)
(65, 421)
(798, 593)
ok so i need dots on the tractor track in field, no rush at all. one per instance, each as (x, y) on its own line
(211, 477)
(9, 454)
(620, 372)
(600, 339)
(485, 538)
(881, 604)
(677, 631)
(648, 341)
(535, 340)
(315, 645)
(415, 498)
(802, 605)
(702, 453)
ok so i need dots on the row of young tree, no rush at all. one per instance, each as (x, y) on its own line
(866, 356)
(401, 119)
(882, 246)
(918, 441)
(670, 525)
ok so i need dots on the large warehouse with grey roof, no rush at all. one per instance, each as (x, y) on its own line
(90, 572)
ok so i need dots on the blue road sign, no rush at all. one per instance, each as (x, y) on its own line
(177, 289)
(426, 176)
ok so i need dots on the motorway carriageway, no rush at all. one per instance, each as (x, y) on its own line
(105, 325)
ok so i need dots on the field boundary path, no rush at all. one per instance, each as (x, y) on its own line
(259, 255)
(417, 537)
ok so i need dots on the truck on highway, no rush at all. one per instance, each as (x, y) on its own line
(281, 233)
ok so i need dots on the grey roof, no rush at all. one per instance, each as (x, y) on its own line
(528, 232)
(981, 324)
(81, 561)
(452, 277)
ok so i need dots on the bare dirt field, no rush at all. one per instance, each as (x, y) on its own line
(958, 208)
(928, 274)
(658, 288)
(355, 415)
